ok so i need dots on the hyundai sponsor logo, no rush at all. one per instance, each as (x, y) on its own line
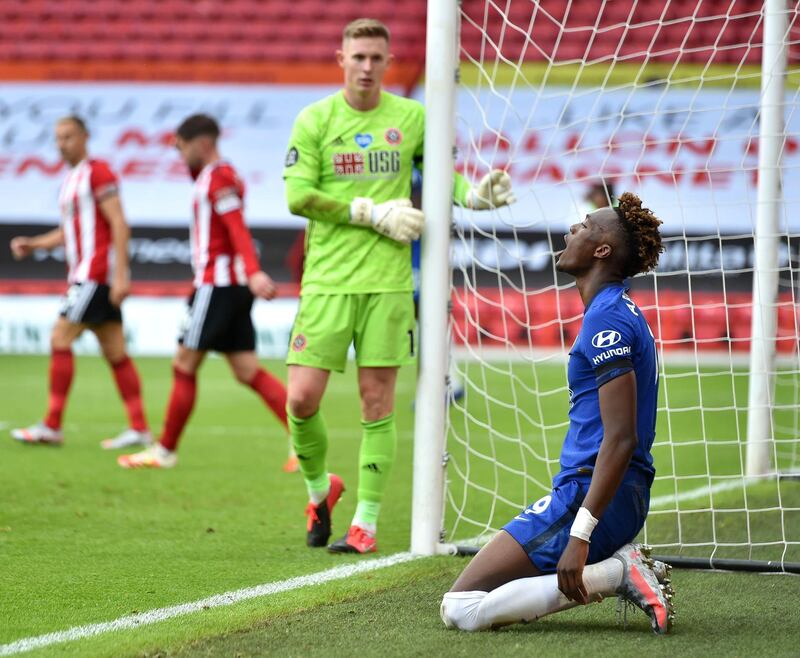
(606, 338)
(623, 352)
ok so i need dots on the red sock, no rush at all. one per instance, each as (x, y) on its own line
(131, 392)
(62, 368)
(272, 391)
(181, 403)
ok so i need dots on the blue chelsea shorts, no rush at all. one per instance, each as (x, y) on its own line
(542, 529)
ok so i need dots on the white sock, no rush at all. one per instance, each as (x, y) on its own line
(370, 528)
(318, 489)
(526, 599)
(604, 577)
(366, 516)
(162, 451)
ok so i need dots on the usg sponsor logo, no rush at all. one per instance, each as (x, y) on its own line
(606, 338)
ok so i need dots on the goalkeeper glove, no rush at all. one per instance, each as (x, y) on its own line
(493, 191)
(395, 219)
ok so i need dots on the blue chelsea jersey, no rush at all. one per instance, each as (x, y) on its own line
(613, 340)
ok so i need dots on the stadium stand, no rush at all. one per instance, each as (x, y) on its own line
(694, 28)
(493, 317)
(276, 42)
(242, 40)
(250, 39)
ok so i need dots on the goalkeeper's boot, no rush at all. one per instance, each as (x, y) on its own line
(640, 586)
(318, 529)
(357, 540)
(128, 439)
(156, 456)
(39, 434)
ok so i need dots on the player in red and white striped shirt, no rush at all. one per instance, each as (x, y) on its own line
(227, 278)
(95, 236)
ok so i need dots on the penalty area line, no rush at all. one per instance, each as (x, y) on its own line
(671, 499)
(216, 601)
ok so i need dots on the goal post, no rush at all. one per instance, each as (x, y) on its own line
(765, 278)
(687, 105)
(437, 194)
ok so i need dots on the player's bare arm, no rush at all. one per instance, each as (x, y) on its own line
(111, 207)
(618, 414)
(23, 246)
(262, 285)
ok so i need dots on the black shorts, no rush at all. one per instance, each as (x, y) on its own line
(218, 318)
(88, 303)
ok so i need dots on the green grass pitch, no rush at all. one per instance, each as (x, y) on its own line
(83, 541)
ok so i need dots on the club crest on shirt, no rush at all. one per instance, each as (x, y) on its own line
(363, 139)
(393, 136)
(299, 343)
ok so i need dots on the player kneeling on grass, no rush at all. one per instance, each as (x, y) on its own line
(348, 170)
(573, 545)
(95, 236)
(227, 278)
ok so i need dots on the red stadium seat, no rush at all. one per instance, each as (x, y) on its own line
(581, 15)
(645, 12)
(501, 316)
(571, 313)
(673, 325)
(545, 320)
(788, 324)
(740, 314)
(309, 31)
(710, 324)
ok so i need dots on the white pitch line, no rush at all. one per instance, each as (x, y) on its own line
(228, 598)
(693, 494)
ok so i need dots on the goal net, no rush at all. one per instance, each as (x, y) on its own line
(663, 99)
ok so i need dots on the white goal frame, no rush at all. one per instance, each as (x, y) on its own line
(441, 80)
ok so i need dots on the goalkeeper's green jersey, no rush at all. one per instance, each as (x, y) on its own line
(337, 153)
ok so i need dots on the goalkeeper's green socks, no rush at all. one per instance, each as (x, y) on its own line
(310, 439)
(378, 449)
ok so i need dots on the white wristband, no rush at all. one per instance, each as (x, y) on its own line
(583, 525)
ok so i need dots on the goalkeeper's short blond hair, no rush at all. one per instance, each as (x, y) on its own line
(365, 28)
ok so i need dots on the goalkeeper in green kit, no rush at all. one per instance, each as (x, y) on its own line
(348, 170)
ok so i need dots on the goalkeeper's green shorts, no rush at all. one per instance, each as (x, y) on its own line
(381, 327)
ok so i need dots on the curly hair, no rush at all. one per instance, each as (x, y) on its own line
(640, 227)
